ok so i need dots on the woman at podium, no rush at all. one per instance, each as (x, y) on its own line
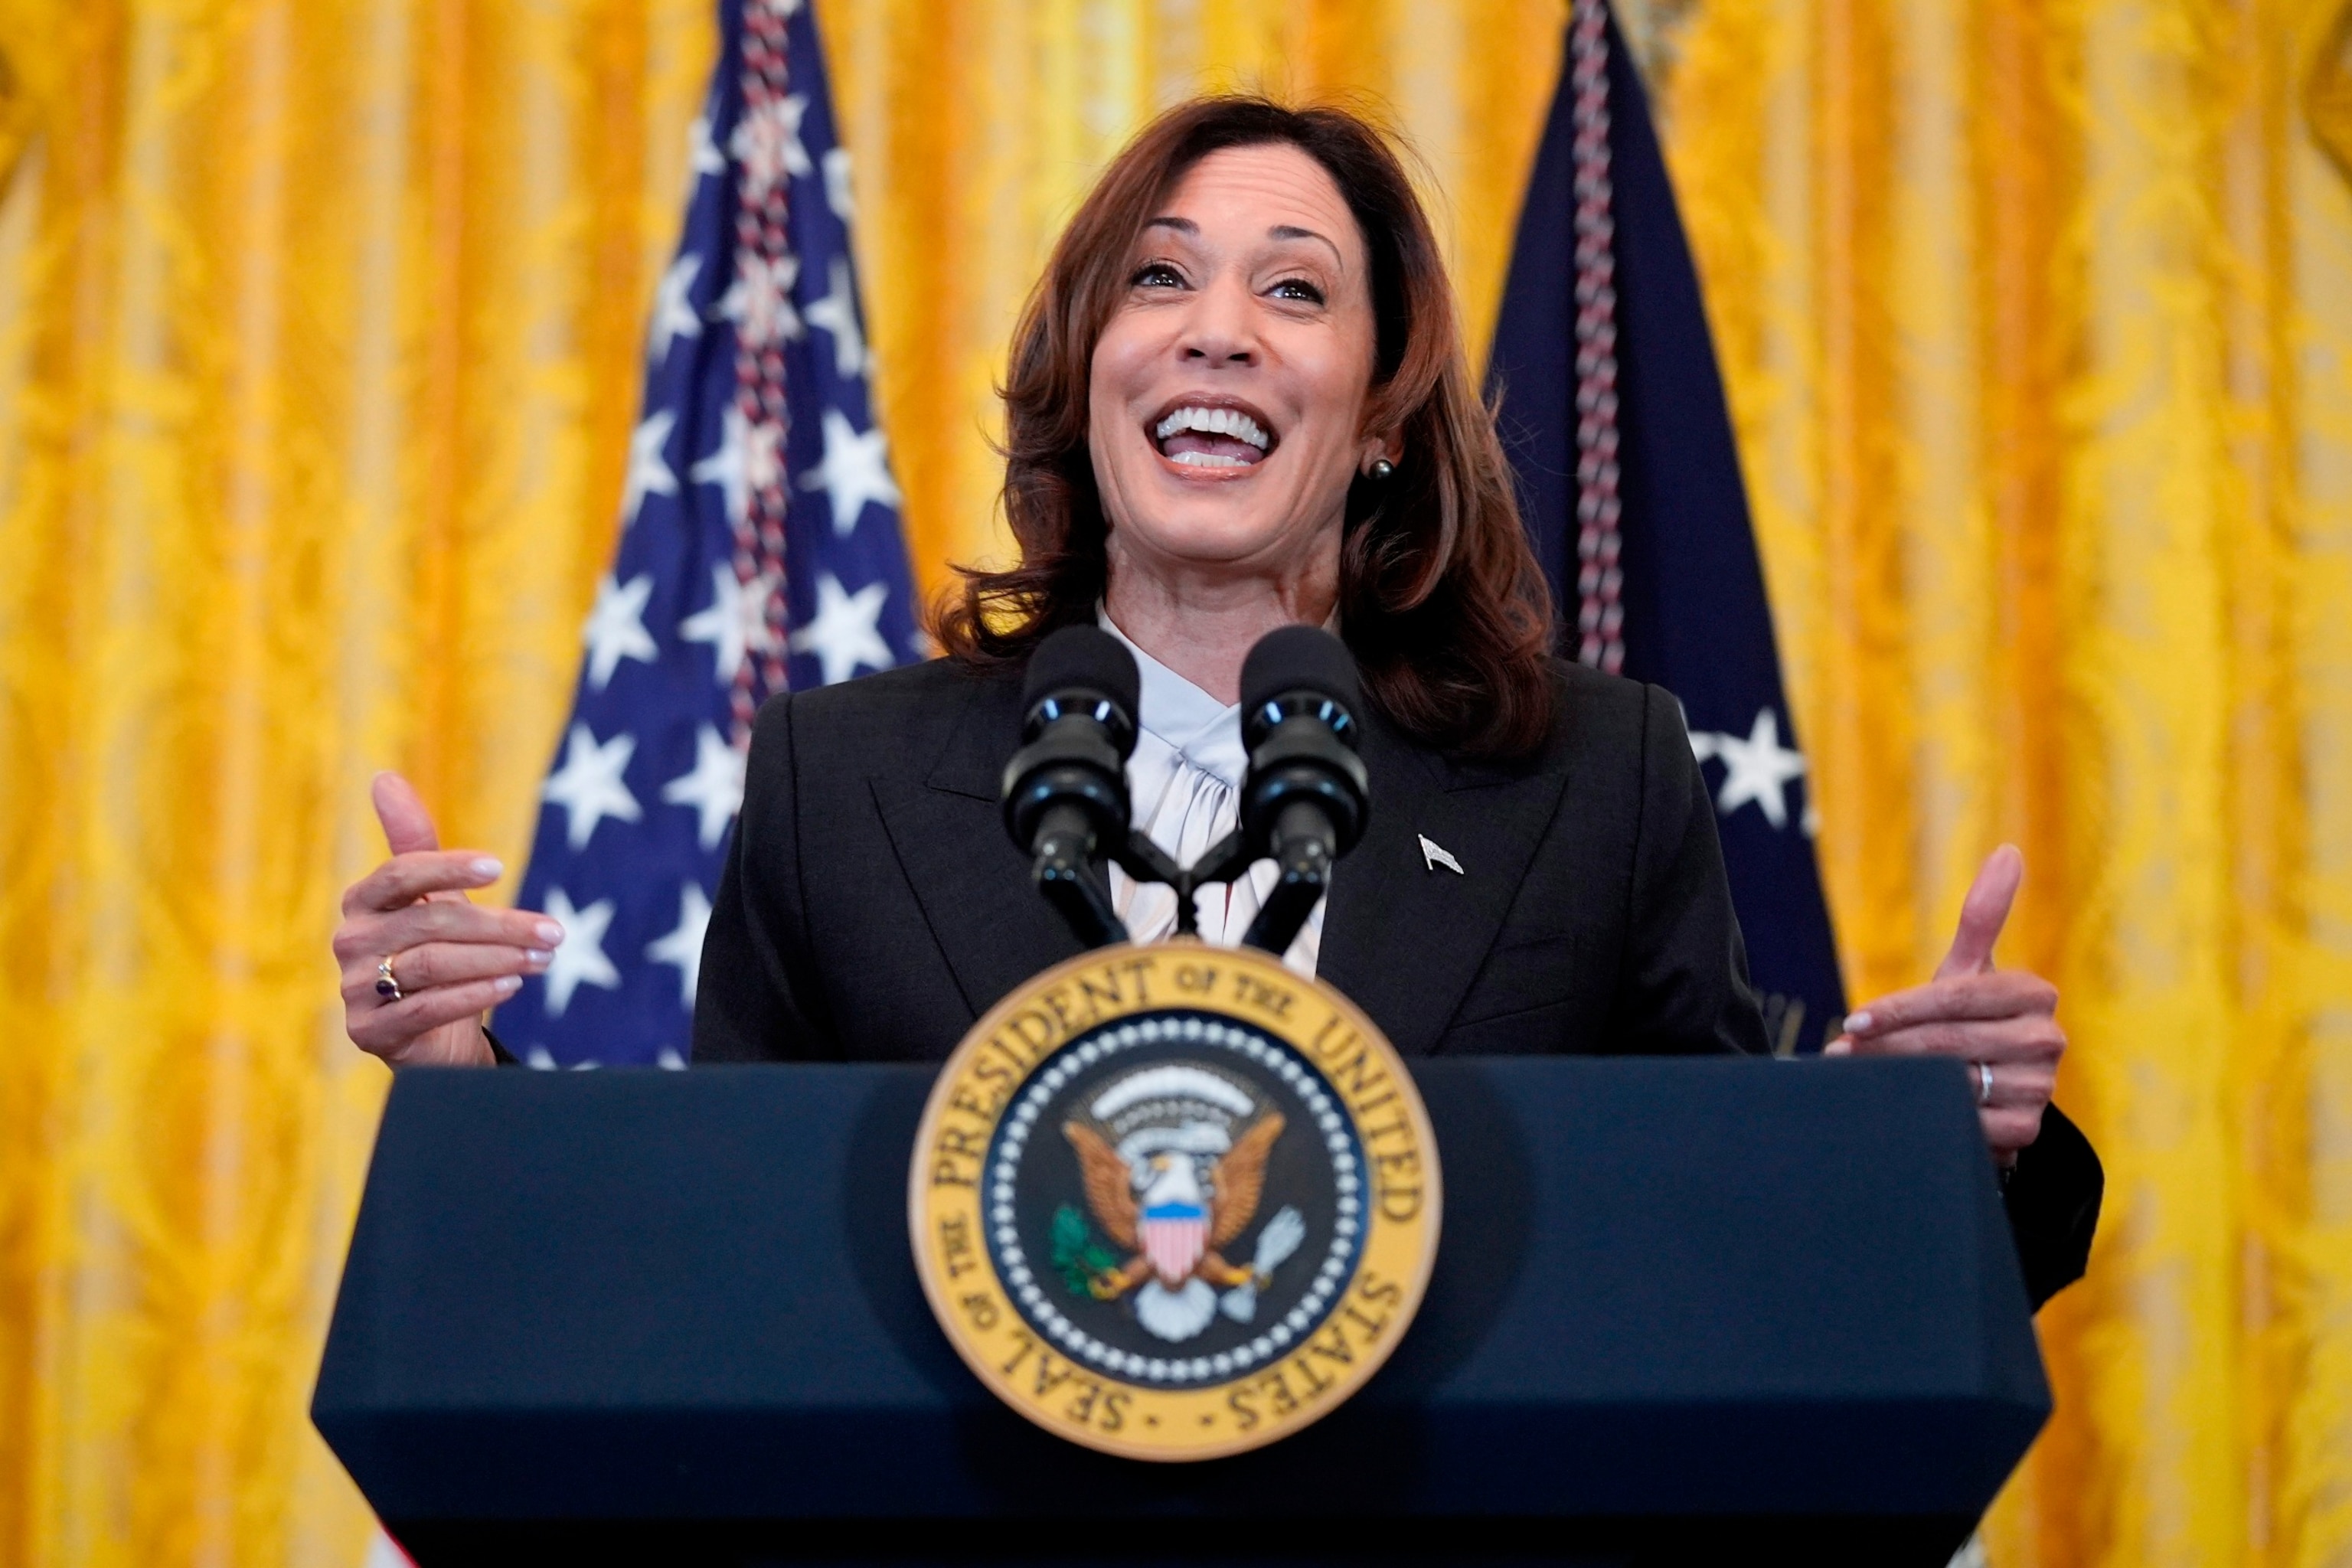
(1238, 400)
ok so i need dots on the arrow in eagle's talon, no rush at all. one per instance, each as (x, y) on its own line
(1432, 857)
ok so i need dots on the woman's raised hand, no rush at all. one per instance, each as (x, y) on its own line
(421, 965)
(2002, 1024)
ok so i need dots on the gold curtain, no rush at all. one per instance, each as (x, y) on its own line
(2038, 322)
(317, 356)
(318, 352)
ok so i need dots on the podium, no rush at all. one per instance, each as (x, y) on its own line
(1681, 1309)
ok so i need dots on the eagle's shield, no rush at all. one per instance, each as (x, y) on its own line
(1175, 1235)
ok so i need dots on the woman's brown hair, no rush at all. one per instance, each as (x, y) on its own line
(1441, 600)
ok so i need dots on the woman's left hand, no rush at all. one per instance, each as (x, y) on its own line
(2002, 1024)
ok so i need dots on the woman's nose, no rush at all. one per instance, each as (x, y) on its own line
(1221, 327)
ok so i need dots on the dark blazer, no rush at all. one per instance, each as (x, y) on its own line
(873, 906)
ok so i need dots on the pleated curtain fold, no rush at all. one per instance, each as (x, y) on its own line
(319, 339)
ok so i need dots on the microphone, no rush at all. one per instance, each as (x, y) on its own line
(1066, 799)
(1306, 797)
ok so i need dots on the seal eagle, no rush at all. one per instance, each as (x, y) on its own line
(1163, 1191)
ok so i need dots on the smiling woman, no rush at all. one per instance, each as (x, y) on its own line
(1239, 398)
(1238, 401)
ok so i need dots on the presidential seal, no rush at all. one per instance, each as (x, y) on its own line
(1173, 1201)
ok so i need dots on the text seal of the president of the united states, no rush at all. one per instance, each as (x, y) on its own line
(1174, 1201)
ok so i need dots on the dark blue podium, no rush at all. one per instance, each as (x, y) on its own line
(1682, 1310)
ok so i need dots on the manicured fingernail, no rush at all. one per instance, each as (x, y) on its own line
(549, 932)
(507, 984)
(537, 959)
(489, 870)
(1855, 1022)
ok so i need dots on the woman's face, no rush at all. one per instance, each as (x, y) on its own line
(1228, 391)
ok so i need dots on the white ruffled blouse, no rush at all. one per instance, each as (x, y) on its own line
(1184, 785)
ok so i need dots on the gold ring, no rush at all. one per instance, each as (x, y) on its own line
(387, 983)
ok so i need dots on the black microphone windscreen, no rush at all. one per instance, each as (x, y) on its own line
(1300, 658)
(1088, 658)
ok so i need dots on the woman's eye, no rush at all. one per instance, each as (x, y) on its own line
(1158, 275)
(1298, 289)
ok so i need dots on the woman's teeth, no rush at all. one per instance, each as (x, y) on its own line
(1208, 460)
(1212, 422)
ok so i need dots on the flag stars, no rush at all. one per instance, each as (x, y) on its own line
(589, 787)
(760, 300)
(702, 155)
(748, 457)
(1757, 768)
(649, 471)
(735, 622)
(856, 471)
(837, 316)
(714, 788)
(766, 142)
(835, 162)
(616, 628)
(682, 947)
(579, 960)
(725, 465)
(675, 316)
(842, 633)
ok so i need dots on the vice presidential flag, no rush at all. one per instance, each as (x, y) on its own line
(1613, 415)
(759, 548)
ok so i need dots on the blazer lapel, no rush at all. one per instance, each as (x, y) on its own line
(1404, 937)
(970, 880)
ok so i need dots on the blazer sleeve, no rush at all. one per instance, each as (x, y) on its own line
(1683, 985)
(2052, 1197)
(760, 997)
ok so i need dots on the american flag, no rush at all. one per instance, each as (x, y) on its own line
(760, 547)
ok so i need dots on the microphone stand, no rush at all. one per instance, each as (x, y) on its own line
(1067, 876)
(1064, 872)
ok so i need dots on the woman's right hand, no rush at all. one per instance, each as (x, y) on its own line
(451, 961)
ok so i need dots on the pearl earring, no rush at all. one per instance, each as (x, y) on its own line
(1381, 470)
